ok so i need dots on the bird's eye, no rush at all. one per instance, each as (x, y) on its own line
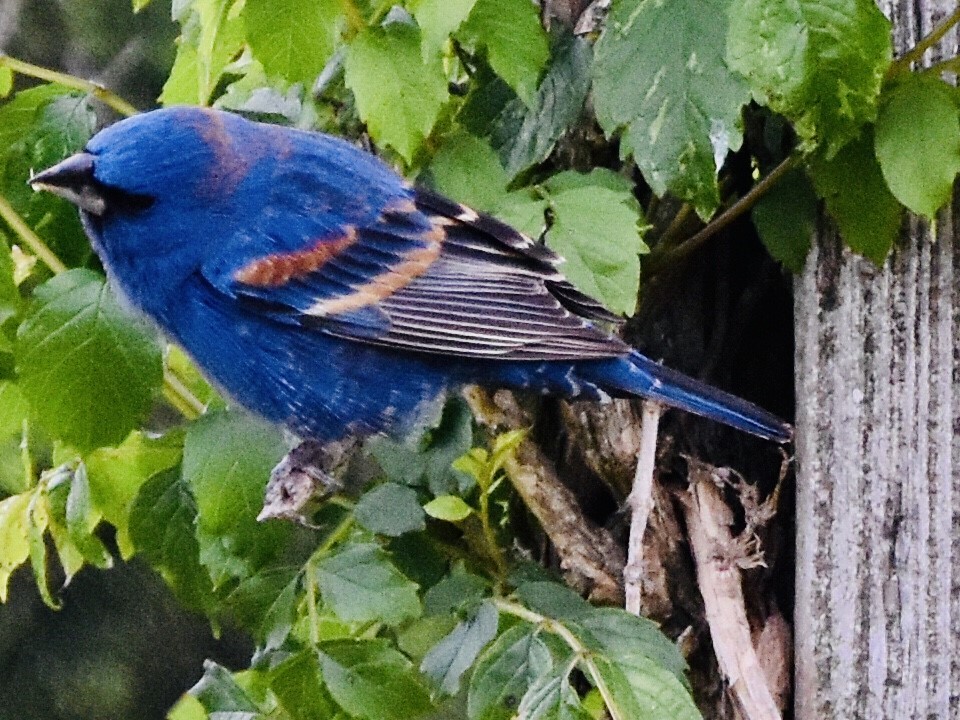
(122, 202)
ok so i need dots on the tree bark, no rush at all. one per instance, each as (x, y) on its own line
(877, 615)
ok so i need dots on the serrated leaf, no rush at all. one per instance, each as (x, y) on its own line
(466, 169)
(917, 141)
(227, 459)
(116, 475)
(818, 62)
(858, 199)
(38, 518)
(597, 231)
(438, 19)
(298, 686)
(643, 690)
(446, 663)
(362, 585)
(391, 510)
(525, 136)
(786, 218)
(14, 541)
(292, 38)
(162, 522)
(504, 673)
(370, 680)
(398, 93)
(523, 211)
(516, 43)
(660, 76)
(87, 368)
(623, 635)
(448, 507)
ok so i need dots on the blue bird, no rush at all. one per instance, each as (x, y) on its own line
(322, 291)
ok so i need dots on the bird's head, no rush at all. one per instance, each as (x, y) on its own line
(155, 189)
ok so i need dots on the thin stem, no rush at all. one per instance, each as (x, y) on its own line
(948, 65)
(732, 213)
(640, 502)
(37, 246)
(180, 396)
(490, 536)
(903, 63)
(311, 580)
(71, 81)
(573, 642)
(335, 536)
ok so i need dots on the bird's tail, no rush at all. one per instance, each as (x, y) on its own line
(638, 375)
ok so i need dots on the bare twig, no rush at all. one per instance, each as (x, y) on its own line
(591, 560)
(718, 557)
(640, 502)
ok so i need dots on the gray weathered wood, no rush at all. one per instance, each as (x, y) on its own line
(878, 504)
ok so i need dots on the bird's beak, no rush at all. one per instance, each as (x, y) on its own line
(73, 180)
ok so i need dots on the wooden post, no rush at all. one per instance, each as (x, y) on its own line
(878, 449)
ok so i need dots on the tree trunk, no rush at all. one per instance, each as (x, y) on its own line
(877, 616)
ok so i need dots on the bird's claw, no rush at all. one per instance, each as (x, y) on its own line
(300, 481)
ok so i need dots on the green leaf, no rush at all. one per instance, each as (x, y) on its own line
(623, 635)
(644, 690)
(221, 696)
(227, 459)
(449, 659)
(116, 475)
(524, 137)
(505, 671)
(918, 143)
(38, 128)
(88, 369)
(448, 507)
(82, 519)
(398, 93)
(456, 592)
(516, 44)
(370, 680)
(524, 211)
(299, 688)
(266, 605)
(390, 509)
(6, 81)
(661, 77)
(857, 197)
(14, 542)
(786, 218)
(818, 62)
(213, 35)
(362, 585)
(552, 697)
(38, 518)
(162, 531)
(597, 230)
(438, 19)
(292, 38)
(466, 169)
(553, 600)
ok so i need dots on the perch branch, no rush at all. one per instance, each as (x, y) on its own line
(591, 560)
(719, 556)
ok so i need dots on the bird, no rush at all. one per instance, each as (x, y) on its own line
(322, 291)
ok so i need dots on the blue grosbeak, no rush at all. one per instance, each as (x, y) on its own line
(322, 291)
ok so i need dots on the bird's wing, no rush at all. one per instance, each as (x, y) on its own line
(429, 275)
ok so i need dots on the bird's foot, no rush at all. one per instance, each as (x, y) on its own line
(302, 480)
